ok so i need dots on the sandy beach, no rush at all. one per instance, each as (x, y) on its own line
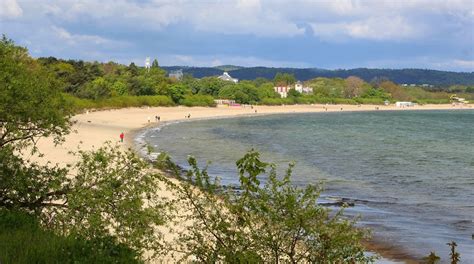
(92, 129)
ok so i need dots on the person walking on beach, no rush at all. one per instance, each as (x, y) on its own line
(122, 135)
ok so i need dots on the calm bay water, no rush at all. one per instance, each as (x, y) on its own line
(410, 173)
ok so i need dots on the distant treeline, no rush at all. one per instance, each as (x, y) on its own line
(111, 85)
(439, 79)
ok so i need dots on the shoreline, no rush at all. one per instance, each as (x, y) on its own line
(95, 128)
(389, 254)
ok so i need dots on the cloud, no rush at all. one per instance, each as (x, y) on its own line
(10, 9)
(376, 28)
(369, 19)
(75, 39)
(293, 33)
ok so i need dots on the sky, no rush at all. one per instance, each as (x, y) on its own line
(337, 34)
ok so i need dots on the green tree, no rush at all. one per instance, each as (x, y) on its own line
(99, 88)
(275, 222)
(108, 193)
(133, 69)
(178, 91)
(154, 64)
(31, 103)
(284, 79)
(119, 88)
(260, 81)
(209, 85)
(325, 87)
(292, 93)
(243, 92)
(266, 90)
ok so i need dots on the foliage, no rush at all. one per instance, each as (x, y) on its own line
(23, 240)
(97, 89)
(265, 90)
(100, 81)
(455, 257)
(31, 104)
(198, 100)
(292, 93)
(178, 92)
(354, 87)
(274, 222)
(79, 104)
(207, 86)
(432, 258)
(104, 197)
(244, 93)
(324, 87)
(284, 79)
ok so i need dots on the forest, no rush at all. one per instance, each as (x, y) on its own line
(112, 85)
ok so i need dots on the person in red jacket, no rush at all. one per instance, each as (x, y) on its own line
(121, 137)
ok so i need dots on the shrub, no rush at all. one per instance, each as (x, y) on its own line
(198, 100)
(261, 223)
(79, 104)
(277, 101)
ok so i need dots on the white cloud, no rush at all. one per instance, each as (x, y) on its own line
(382, 28)
(377, 28)
(364, 19)
(74, 39)
(10, 9)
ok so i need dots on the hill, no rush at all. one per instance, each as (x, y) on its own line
(409, 76)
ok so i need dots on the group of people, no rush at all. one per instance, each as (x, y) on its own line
(157, 119)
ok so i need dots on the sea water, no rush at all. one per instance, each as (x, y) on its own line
(409, 173)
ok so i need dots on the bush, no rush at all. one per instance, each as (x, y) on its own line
(274, 222)
(198, 100)
(79, 104)
(277, 101)
(22, 240)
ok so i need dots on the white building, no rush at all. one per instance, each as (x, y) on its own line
(226, 77)
(282, 90)
(224, 102)
(404, 104)
(299, 87)
(178, 75)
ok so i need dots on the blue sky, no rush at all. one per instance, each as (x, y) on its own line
(433, 34)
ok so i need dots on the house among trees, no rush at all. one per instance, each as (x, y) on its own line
(226, 77)
(178, 74)
(299, 87)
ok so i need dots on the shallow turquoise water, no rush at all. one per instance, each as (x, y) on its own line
(411, 173)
